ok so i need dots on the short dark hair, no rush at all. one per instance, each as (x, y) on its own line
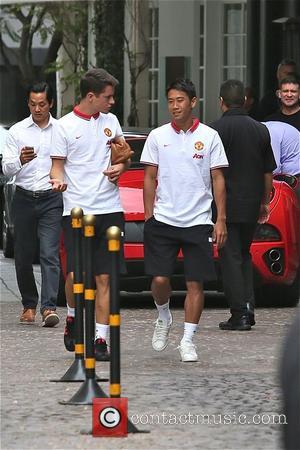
(41, 86)
(183, 84)
(233, 93)
(287, 62)
(96, 80)
(293, 79)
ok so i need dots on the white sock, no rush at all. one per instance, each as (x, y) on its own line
(71, 311)
(189, 331)
(101, 331)
(164, 312)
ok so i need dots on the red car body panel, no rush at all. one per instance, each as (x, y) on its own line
(284, 217)
(133, 178)
(132, 202)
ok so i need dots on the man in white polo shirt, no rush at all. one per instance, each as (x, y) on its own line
(82, 170)
(180, 160)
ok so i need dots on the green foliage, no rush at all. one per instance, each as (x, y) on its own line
(61, 23)
(66, 24)
(109, 29)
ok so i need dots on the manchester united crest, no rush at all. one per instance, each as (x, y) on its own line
(107, 132)
(199, 145)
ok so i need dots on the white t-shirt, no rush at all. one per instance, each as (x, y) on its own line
(184, 161)
(84, 142)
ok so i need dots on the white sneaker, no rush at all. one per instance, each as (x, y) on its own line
(187, 351)
(160, 335)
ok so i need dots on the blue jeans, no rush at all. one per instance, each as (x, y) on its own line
(37, 218)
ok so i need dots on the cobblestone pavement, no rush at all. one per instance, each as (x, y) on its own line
(235, 380)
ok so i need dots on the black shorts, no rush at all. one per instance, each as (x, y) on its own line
(162, 243)
(101, 255)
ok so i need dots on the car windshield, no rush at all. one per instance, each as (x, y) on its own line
(137, 144)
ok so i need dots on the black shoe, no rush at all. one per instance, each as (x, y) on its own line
(251, 318)
(240, 323)
(69, 335)
(250, 312)
(101, 352)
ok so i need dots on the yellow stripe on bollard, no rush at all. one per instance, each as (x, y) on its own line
(90, 363)
(115, 389)
(89, 294)
(76, 223)
(113, 245)
(89, 231)
(79, 348)
(78, 288)
(114, 320)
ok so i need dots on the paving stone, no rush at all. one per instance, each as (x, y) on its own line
(234, 381)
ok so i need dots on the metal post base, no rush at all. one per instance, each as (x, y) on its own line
(76, 373)
(133, 429)
(130, 429)
(84, 396)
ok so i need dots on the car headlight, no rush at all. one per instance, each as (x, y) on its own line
(266, 232)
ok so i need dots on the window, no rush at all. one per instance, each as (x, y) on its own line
(234, 41)
(176, 67)
(202, 62)
(153, 69)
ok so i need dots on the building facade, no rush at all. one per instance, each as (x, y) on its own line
(208, 41)
(211, 41)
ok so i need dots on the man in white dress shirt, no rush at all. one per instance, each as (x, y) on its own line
(36, 209)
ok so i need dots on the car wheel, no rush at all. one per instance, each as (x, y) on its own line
(7, 239)
(279, 295)
(61, 296)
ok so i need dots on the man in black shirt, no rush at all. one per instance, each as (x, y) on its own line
(270, 101)
(289, 94)
(248, 184)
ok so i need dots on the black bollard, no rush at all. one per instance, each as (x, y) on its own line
(90, 388)
(76, 371)
(113, 235)
(78, 290)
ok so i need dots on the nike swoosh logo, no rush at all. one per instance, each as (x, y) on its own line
(167, 145)
(77, 137)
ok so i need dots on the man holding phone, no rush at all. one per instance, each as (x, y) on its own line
(36, 209)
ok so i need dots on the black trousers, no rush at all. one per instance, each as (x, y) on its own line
(236, 267)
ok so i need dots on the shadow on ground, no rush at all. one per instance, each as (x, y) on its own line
(144, 300)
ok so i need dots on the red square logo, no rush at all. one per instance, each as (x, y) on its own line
(110, 417)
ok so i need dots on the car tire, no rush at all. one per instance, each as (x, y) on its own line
(279, 295)
(61, 296)
(291, 294)
(7, 239)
